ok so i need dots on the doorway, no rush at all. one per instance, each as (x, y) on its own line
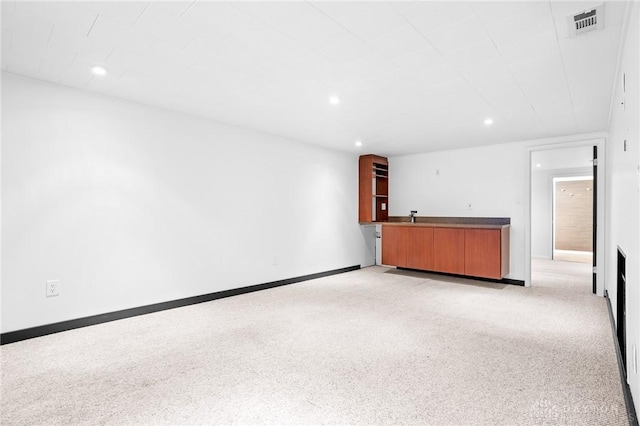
(562, 219)
(621, 318)
(573, 219)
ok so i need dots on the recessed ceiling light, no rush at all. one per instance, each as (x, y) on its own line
(358, 143)
(538, 165)
(334, 100)
(98, 70)
(488, 122)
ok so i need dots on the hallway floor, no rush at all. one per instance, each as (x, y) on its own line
(573, 256)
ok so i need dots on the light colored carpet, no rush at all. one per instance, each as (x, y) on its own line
(375, 346)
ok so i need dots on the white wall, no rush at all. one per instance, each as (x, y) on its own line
(491, 178)
(494, 179)
(130, 205)
(542, 208)
(541, 214)
(623, 189)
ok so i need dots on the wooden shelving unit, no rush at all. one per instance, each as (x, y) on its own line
(373, 189)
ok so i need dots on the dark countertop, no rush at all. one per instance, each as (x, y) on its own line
(448, 222)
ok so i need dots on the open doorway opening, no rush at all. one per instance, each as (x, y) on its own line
(562, 193)
(573, 219)
(621, 321)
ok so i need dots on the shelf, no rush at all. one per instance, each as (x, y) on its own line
(373, 187)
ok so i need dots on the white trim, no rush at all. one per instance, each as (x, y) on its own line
(572, 178)
(597, 139)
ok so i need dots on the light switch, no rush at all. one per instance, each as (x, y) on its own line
(384, 206)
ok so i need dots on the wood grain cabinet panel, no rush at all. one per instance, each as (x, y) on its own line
(420, 248)
(475, 252)
(373, 188)
(482, 253)
(394, 245)
(448, 250)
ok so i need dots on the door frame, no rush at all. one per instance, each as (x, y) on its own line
(598, 140)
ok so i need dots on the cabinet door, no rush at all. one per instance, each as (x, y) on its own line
(420, 248)
(448, 250)
(394, 245)
(482, 253)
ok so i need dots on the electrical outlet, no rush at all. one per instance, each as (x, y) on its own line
(274, 261)
(53, 288)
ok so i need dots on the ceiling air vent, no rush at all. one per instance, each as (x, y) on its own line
(586, 21)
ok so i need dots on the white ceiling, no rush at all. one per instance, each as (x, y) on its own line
(412, 76)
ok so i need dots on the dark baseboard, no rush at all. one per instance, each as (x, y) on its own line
(511, 281)
(628, 398)
(468, 277)
(43, 330)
